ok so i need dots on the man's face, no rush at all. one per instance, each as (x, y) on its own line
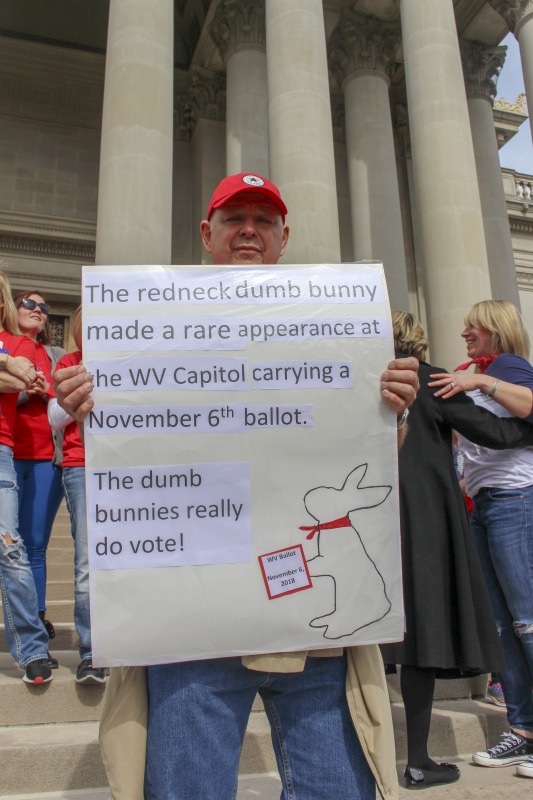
(248, 229)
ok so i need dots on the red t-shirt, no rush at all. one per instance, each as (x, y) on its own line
(16, 346)
(73, 450)
(33, 435)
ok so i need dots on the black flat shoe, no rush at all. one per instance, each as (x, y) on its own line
(423, 778)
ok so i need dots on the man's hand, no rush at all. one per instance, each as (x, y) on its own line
(399, 383)
(73, 387)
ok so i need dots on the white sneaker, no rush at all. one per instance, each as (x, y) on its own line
(525, 768)
(512, 749)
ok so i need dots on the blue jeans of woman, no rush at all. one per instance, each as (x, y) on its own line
(502, 522)
(74, 487)
(40, 495)
(197, 716)
(26, 637)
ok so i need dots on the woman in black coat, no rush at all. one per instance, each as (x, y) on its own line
(450, 629)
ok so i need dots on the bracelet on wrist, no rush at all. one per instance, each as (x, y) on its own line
(401, 421)
(494, 388)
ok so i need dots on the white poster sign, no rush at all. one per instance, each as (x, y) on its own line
(241, 464)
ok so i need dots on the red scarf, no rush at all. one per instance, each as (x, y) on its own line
(342, 522)
(483, 363)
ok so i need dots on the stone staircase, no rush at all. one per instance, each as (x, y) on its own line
(49, 735)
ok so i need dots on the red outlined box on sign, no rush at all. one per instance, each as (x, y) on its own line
(285, 571)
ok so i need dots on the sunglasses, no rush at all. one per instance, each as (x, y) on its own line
(31, 304)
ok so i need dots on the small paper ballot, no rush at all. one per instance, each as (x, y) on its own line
(285, 572)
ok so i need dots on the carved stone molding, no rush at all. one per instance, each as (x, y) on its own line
(47, 237)
(47, 248)
(237, 24)
(338, 114)
(518, 107)
(481, 66)
(514, 12)
(523, 226)
(402, 126)
(524, 279)
(207, 97)
(183, 122)
(362, 43)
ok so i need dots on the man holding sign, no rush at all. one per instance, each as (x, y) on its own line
(328, 709)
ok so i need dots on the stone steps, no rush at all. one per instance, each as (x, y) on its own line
(475, 784)
(53, 757)
(49, 735)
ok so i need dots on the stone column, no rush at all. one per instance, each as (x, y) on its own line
(482, 66)
(135, 187)
(444, 170)
(238, 30)
(206, 110)
(519, 17)
(301, 133)
(362, 54)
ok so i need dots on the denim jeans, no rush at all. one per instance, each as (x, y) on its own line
(197, 717)
(74, 486)
(40, 495)
(26, 637)
(502, 522)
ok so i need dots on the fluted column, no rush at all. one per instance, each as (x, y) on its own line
(482, 66)
(301, 132)
(206, 110)
(447, 195)
(238, 30)
(519, 17)
(135, 185)
(362, 54)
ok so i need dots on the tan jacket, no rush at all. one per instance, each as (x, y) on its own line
(124, 717)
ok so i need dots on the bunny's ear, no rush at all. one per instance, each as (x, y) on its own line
(355, 477)
(363, 496)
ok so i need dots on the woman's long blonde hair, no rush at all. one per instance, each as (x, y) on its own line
(76, 327)
(409, 335)
(9, 318)
(504, 322)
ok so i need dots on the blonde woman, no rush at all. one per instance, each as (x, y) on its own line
(26, 638)
(501, 487)
(450, 629)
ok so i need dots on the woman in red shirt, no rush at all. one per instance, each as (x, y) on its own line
(26, 638)
(38, 477)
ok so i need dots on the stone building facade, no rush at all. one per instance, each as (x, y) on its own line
(375, 117)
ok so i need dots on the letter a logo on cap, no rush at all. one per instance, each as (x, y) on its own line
(253, 180)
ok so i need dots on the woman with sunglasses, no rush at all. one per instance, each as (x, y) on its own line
(37, 460)
(26, 638)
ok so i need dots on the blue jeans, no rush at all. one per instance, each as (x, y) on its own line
(26, 637)
(502, 522)
(40, 495)
(74, 486)
(197, 717)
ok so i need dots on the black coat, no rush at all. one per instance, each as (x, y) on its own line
(449, 623)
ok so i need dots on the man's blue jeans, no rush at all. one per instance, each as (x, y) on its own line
(26, 636)
(197, 717)
(502, 522)
(74, 486)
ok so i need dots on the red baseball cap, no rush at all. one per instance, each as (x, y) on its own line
(245, 182)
